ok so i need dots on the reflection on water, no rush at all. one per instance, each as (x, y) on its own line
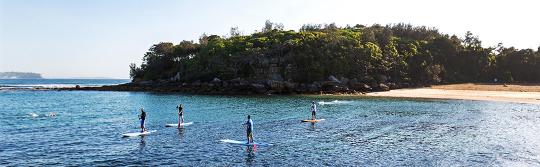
(312, 126)
(142, 144)
(370, 132)
(180, 134)
(250, 155)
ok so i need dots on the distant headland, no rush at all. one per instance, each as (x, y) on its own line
(20, 75)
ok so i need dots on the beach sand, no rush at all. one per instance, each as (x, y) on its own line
(529, 94)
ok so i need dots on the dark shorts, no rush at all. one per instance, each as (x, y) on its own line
(142, 122)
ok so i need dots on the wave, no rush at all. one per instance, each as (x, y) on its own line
(333, 102)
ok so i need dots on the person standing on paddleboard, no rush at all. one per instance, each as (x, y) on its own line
(249, 129)
(142, 117)
(313, 110)
(180, 115)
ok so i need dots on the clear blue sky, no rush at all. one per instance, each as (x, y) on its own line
(100, 38)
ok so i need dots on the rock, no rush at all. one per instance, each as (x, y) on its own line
(259, 88)
(393, 85)
(344, 81)
(145, 83)
(404, 85)
(374, 84)
(290, 85)
(216, 80)
(353, 81)
(276, 77)
(301, 88)
(334, 89)
(196, 83)
(176, 77)
(333, 79)
(236, 80)
(383, 87)
(275, 85)
(368, 88)
(225, 84)
(313, 88)
(136, 80)
(361, 87)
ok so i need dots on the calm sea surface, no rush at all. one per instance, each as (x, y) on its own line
(88, 128)
(56, 83)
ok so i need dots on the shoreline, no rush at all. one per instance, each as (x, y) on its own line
(516, 93)
(455, 94)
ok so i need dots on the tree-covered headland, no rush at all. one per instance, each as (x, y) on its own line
(327, 57)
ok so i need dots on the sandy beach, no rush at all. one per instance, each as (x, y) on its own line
(529, 94)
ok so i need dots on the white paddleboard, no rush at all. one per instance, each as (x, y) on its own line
(313, 120)
(245, 143)
(176, 125)
(138, 133)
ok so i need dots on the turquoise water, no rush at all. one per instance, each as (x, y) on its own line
(357, 131)
(56, 83)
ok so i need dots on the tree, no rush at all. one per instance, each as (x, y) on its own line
(234, 32)
(401, 52)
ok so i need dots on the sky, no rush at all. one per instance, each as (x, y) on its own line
(100, 38)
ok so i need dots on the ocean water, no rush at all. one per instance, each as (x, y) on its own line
(56, 83)
(88, 126)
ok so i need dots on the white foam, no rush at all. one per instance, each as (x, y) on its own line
(33, 115)
(333, 102)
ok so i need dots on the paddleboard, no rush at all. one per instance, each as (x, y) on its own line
(245, 143)
(311, 120)
(138, 133)
(176, 125)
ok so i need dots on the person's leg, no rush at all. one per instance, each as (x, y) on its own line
(179, 121)
(142, 126)
(247, 136)
(182, 118)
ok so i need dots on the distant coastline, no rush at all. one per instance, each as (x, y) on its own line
(49, 84)
(20, 75)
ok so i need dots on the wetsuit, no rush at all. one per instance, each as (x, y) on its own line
(180, 115)
(142, 117)
(249, 130)
(313, 111)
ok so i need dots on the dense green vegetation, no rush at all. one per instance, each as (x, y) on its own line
(397, 53)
